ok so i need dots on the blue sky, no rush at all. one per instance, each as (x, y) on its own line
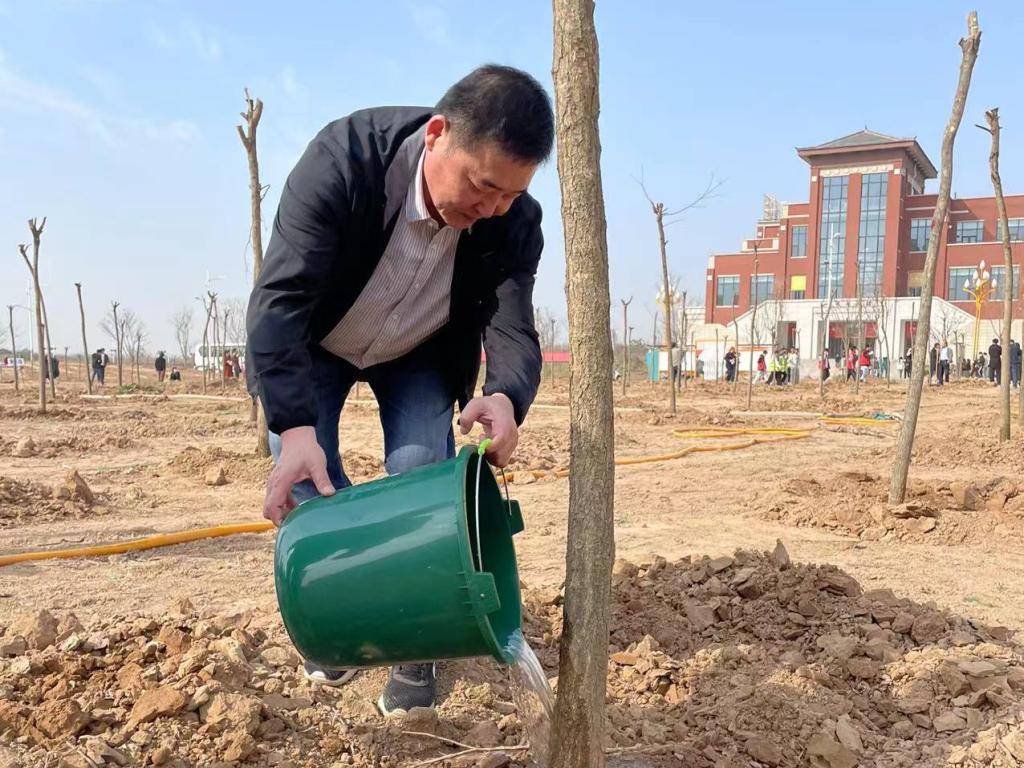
(117, 121)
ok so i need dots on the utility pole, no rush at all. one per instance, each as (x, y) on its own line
(14, 344)
(625, 342)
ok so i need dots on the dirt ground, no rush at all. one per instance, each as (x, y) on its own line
(724, 655)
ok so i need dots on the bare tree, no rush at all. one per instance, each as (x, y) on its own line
(209, 304)
(182, 321)
(883, 314)
(578, 729)
(36, 228)
(252, 114)
(14, 344)
(992, 118)
(234, 321)
(111, 325)
(665, 218)
(85, 344)
(969, 48)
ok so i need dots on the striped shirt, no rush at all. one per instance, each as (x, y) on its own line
(408, 296)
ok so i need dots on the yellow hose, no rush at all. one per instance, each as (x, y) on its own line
(772, 435)
(134, 545)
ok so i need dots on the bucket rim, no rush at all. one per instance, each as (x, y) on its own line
(464, 465)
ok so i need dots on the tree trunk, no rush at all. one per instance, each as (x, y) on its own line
(252, 117)
(659, 214)
(117, 340)
(901, 468)
(14, 344)
(992, 117)
(33, 268)
(85, 344)
(578, 729)
(49, 346)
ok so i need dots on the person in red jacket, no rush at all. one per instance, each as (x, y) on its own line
(865, 364)
(851, 363)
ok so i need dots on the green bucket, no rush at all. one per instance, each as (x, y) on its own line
(396, 570)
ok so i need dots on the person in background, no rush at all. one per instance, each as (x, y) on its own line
(160, 365)
(175, 374)
(700, 368)
(730, 364)
(792, 366)
(1015, 363)
(851, 363)
(762, 367)
(52, 367)
(825, 366)
(933, 362)
(782, 367)
(236, 365)
(943, 370)
(864, 361)
(995, 361)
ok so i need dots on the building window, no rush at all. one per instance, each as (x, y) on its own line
(728, 292)
(999, 275)
(920, 229)
(761, 287)
(871, 243)
(798, 242)
(970, 231)
(957, 277)
(1016, 229)
(798, 286)
(832, 243)
(914, 282)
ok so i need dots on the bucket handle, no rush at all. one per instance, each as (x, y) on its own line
(481, 450)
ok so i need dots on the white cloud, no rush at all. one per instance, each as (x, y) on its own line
(188, 36)
(20, 93)
(430, 21)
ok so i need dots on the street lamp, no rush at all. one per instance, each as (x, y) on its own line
(981, 291)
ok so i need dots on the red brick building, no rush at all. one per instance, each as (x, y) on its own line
(867, 221)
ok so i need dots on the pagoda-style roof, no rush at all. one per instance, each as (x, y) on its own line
(866, 140)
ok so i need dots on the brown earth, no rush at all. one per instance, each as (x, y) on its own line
(720, 657)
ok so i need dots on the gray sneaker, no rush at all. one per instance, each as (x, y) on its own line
(408, 686)
(329, 677)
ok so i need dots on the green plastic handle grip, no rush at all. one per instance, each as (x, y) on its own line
(484, 445)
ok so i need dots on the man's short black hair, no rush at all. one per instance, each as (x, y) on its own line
(504, 105)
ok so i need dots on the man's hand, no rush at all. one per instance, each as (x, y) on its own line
(301, 458)
(498, 418)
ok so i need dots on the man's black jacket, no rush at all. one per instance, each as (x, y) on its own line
(336, 214)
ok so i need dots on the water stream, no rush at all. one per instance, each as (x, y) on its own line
(532, 695)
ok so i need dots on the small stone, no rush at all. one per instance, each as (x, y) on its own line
(232, 711)
(484, 734)
(719, 564)
(421, 719)
(158, 702)
(780, 557)
(949, 721)
(839, 646)
(916, 696)
(216, 476)
(700, 616)
(928, 628)
(862, 668)
(763, 750)
(77, 489)
(977, 668)
(39, 629)
(494, 760)
(160, 755)
(61, 718)
(848, 735)
(12, 646)
(920, 525)
(182, 607)
(102, 753)
(903, 622)
(625, 659)
(25, 448)
(277, 656)
(826, 752)
(840, 583)
(623, 567)
(965, 496)
(239, 746)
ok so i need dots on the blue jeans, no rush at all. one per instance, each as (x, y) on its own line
(416, 409)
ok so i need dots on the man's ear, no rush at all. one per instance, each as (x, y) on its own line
(437, 127)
